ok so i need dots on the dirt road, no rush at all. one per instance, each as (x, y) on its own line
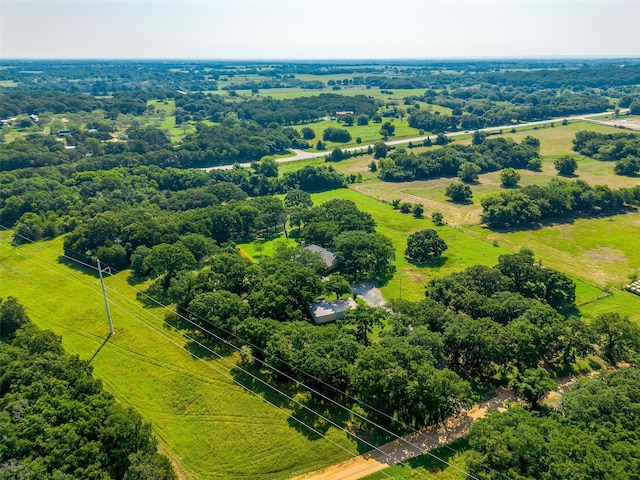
(420, 442)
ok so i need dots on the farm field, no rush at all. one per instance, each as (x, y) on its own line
(193, 405)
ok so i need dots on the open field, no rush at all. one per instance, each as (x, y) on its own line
(368, 133)
(463, 251)
(193, 405)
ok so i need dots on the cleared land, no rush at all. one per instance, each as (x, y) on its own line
(192, 404)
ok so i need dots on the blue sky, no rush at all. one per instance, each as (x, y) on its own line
(315, 29)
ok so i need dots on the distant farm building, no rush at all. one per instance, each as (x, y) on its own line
(327, 256)
(64, 132)
(634, 287)
(345, 112)
(324, 312)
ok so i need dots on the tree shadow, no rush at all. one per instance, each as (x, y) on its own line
(460, 202)
(76, 265)
(433, 263)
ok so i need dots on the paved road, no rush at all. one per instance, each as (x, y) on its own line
(420, 442)
(302, 155)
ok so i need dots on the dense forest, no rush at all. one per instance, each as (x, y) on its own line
(57, 421)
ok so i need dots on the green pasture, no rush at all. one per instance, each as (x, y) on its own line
(210, 426)
(464, 250)
(367, 133)
(165, 119)
(601, 250)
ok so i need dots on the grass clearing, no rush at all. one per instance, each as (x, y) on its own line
(464, 250)
(367, 133)
(212, 427)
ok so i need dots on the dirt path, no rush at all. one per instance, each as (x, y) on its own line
(422, 441)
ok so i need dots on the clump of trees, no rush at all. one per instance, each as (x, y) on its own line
(566, 165)
(76, 429)
(465, 161)
(622, 148)
(333, 134)
(593, 436)
(459, 192)
(560, 198)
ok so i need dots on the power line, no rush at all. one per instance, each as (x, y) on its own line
(298, 382)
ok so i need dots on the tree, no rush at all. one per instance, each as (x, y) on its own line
(405, 207)
(468, 172)
(166, 259)
(373, 166)
(618, 337)
(458, 192)
(509, 177)
(348, 120)
(380, 150)
(320, 145)
(437, 218)
(364, 255)
(336, 155)
(363, 119)
(365, 318)
(333, 134)
(388, 129)
(565, 165)
(12, 317)
(629, 166)
(532, 385)
(425, 245)
(337, 285)
(418, 210)
(308, 133)
(297, 198)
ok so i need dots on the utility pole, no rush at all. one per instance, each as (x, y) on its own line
(104, 294)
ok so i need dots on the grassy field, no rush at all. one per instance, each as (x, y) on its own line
(464, 250)
(212, 427)
(367, 133)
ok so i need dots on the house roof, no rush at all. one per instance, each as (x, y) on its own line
(327, 256)
(323, 309)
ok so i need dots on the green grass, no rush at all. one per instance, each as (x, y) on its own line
(602, 251)
(212, 427)
(167, 120)
(464, 250)
(368, 133)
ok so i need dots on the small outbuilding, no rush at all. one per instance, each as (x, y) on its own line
(324, 312)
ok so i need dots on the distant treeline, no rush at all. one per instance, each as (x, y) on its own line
(109, 77)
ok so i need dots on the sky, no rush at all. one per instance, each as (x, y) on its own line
(317, 29)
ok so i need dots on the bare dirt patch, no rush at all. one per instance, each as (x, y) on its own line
(605, 255)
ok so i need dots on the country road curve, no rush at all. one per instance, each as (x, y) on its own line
(303, 155)
(422, 441)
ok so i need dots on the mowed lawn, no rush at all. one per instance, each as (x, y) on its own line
(212, 427)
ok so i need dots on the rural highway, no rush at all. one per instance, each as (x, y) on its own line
(302, 155)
